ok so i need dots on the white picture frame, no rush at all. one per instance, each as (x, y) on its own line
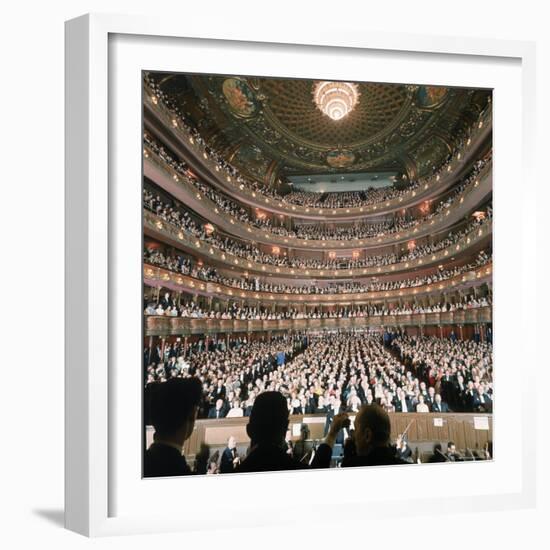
(97, 405)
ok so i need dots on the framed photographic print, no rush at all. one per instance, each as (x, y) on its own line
(285, 259)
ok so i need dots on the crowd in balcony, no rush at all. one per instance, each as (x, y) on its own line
(311, 231)
(181, 264)
(168, 306)
(181, 219)
(348, 199)
(341, 371)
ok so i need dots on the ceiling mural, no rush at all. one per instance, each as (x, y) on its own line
(252, 157)
(429, 96)
(340, 158)
(405, 128)
(239, 97)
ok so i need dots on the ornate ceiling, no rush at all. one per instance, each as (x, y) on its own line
(271, 127)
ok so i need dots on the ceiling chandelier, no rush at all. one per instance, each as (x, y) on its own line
(336, 99)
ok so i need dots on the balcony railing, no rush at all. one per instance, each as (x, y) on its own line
(159, 277)
(160, 228)
(278, 206)
(180, 326)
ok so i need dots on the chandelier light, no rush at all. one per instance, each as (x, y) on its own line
(336, 99)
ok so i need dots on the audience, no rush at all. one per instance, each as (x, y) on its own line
(346, 370)
(173, 408)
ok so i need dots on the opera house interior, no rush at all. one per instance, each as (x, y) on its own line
(318, 252)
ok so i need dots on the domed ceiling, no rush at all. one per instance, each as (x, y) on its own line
(270, 127)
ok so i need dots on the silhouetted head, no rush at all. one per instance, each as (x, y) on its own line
(372, 428)
(268, 419)
(174, 406)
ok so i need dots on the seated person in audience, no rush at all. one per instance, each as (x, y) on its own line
(173, 409)
(371, 440)
(438, 455)
(422, 407)
(267, 429)
(430, 398)
(334, 409)
(230, 459)
(235, 411)
(218, 411)
(452, 453)
(481, 401)
(321, 408)
(402, 402)
(439, 405)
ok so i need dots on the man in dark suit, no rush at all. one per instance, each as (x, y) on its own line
(334, 409)
(481, 401)
(267, 429)
(402, 403)
(230, 458)
(439, 406)
(166, 301)
(452, 454)
(218, 411)
(173, 410)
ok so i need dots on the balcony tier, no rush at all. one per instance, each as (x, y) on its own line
(184, 191)
(161, 230)
(158, 277)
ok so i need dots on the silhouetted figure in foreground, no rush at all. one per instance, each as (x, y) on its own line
(173, 408)
(371, 440)
(267, 429)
